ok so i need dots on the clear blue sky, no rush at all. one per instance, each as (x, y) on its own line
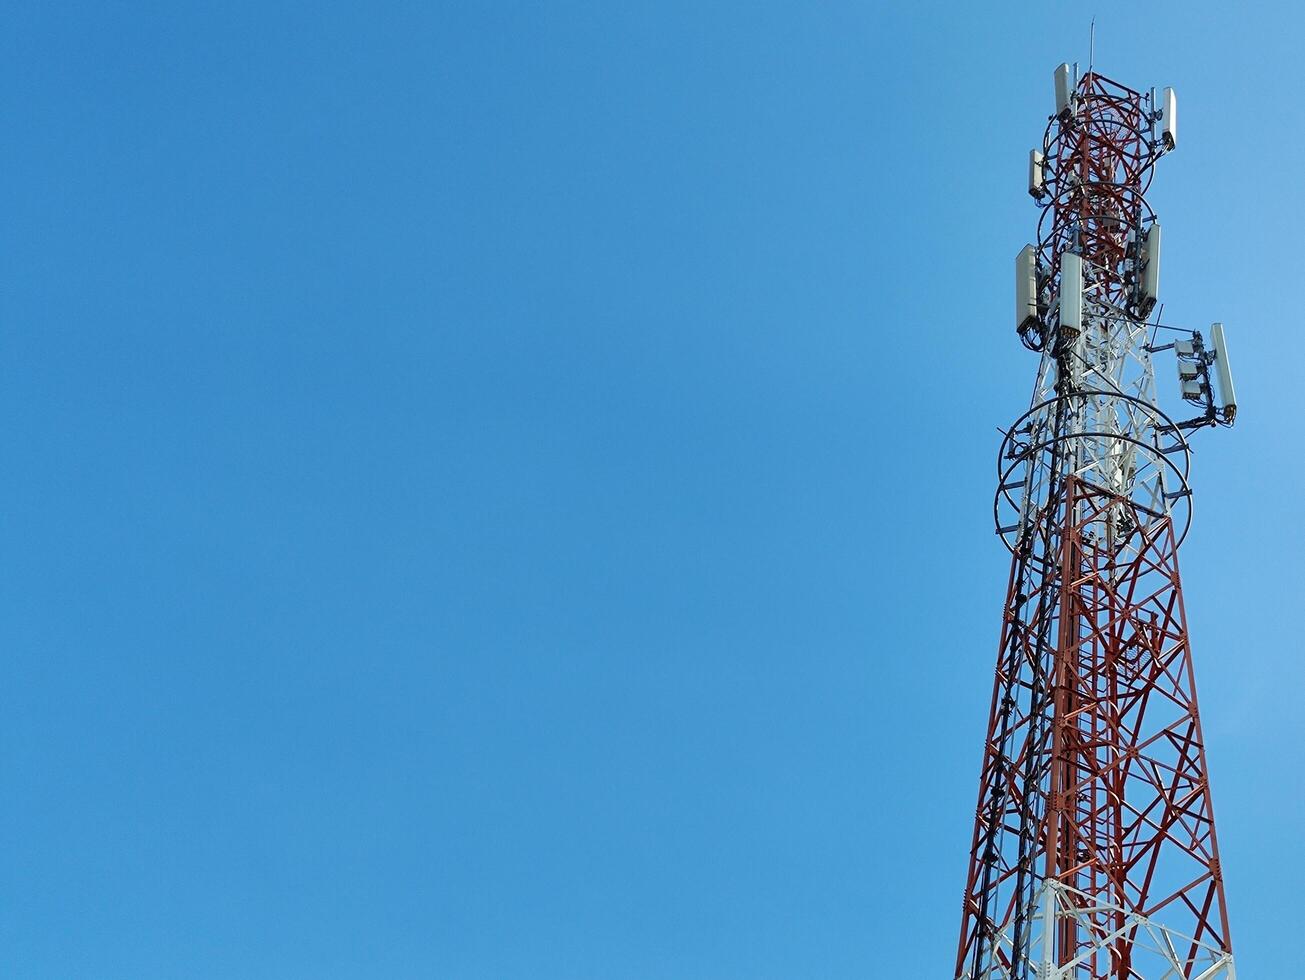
(503, 490)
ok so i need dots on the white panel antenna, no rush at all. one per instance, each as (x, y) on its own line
(1037, 183)
(1223, 373)
(1150, 290)
(1071, 292)
(1064, 91)
(1026, 287)
(1169, 119)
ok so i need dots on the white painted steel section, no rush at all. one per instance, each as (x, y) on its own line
(1103, 930)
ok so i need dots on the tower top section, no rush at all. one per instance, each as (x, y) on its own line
(1090, 177)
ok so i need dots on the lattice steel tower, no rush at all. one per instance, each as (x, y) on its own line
(1094, 853)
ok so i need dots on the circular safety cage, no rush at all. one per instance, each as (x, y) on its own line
(1119, 449)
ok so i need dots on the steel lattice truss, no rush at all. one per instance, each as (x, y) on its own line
(1094, 851)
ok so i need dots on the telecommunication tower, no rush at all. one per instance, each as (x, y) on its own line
(1094, 854)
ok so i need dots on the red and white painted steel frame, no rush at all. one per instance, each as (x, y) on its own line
(1094, 854)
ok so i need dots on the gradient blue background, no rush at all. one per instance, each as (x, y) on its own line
(503, 490)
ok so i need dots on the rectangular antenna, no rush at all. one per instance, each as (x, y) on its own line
(1223, 373)
(1071, 293)
(1064, 91)
(1037, 184)
(1150, 290)
(1026, 287)
(1169, 119)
